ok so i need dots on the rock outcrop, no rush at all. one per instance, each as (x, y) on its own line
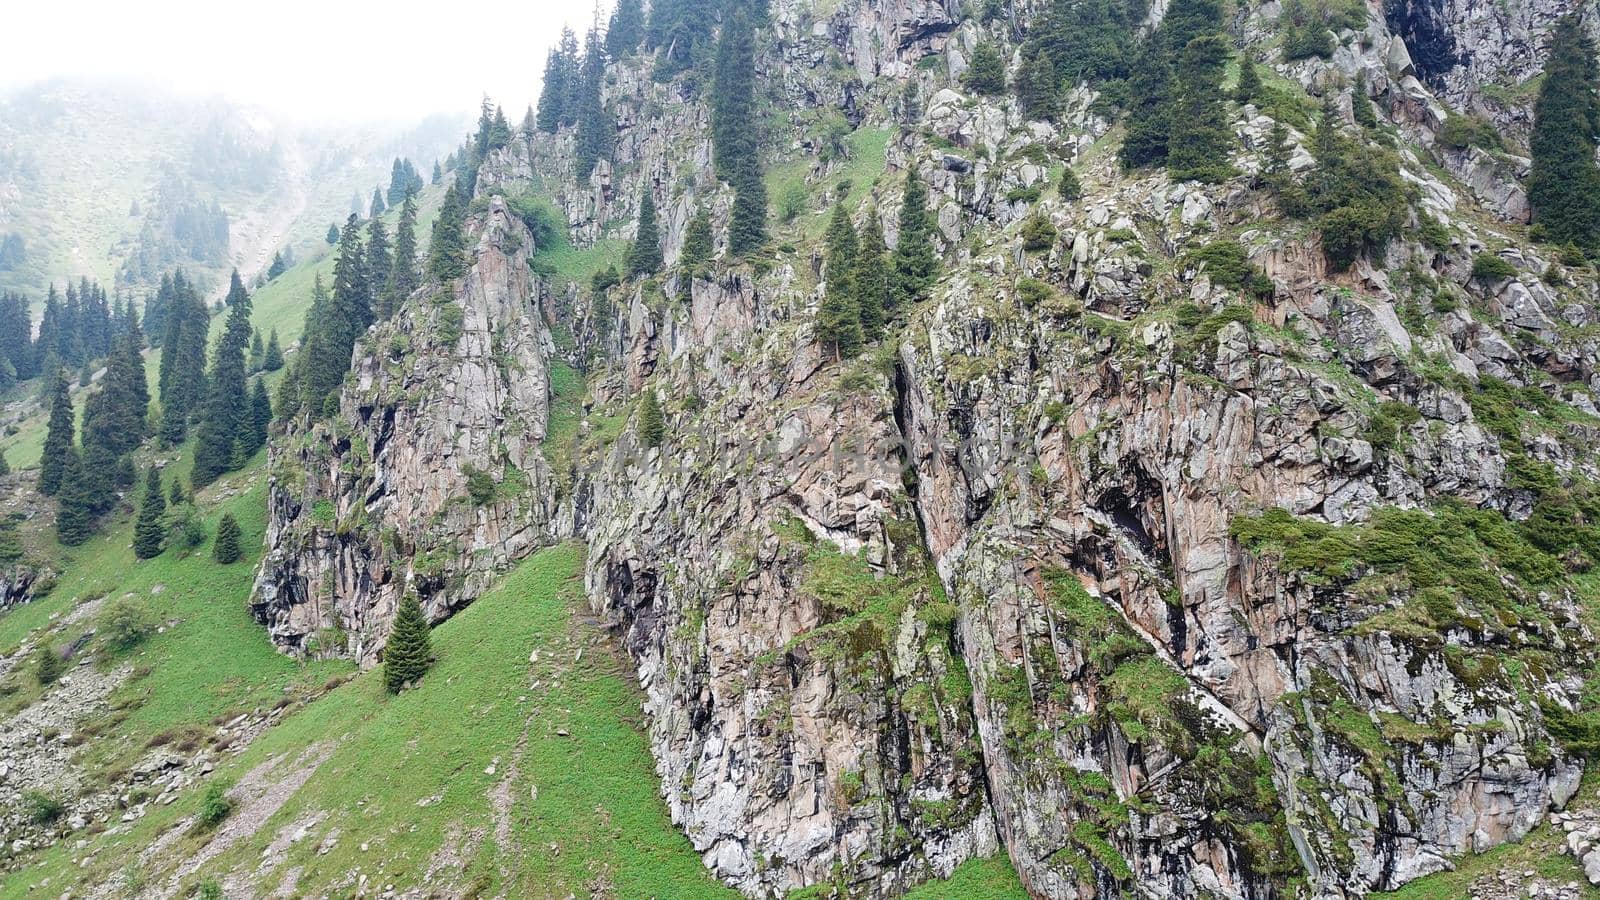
(1167, 587)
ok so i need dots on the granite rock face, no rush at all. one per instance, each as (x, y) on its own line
(430, 478)
(993, 584)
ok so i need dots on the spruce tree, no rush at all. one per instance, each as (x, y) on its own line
(698, 247)
(1564, 185)
(644, 256)
(1038, 87)
(986, 72)
(839, 319)
(59, 436)
(595, 126)
(1361, 105)
(409, 650)
(226, 418)
(652, 424)
(260, 415)
(438, 176)
(183, 360)
(447, 250)
(915, 264)
(1069, 187)
(149, 532)
(626, 29)
(376, 207)
(332, 237)
(225, 549)
(1149, 111)
(272, 357)
(869, 279)
(735, 150)
(402, 280)
(77, 499)
(379, 259)
(176, 496)
(1249, 86)
(1199, 138)
(5, 467)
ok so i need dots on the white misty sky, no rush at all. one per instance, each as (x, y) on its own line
(347, 59)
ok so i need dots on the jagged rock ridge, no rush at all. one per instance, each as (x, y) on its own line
(984, 586)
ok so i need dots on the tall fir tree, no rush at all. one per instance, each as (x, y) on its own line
(736, 153)
(183, 360)
(149, 532)
(839, 318)
(376, 207)
(260, 415)
(652, 424)
(1564, 185)
(75, 512)
(915, 264)
(59, 436)
(402, 277)
(699, 245)
(595, 125)
(226, 547)
(226, 421)
(447, 250)
(1199, 136)
(869, 278)
(409, 650)
(644, 256)
(379, 258)
(272, 356)
(626, 29)
(986, 71)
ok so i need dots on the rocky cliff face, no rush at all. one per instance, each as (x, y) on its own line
(1164, 587)
(430, 478)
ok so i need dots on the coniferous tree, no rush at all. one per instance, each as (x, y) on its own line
(652, 424)
(986, 72)
(626, 29)
(59, 436)
(402, 277)
(915, 263)
(77, 499)
(698, 247)
(114, 415)
(260, 415)
(183, 359)
(733, 131)
(5, 467)
(1361, 105)
(595, 126)
(16, 333)
(1564, 185)
(839, 319)
(379, 259)
(376, 207)
(332, 237)
(149, 533)
(176, 496)
(1149, 112)
(869, 278)
(1199, 138)
(1039, 87)
(225, 549)
(226, 420)
(735, 152)
(409, 650)
(447, 249)
(644, 256)
(272, 357)
(1069, 187)
(438, 175)
(1249, 86)
(1156, 88)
